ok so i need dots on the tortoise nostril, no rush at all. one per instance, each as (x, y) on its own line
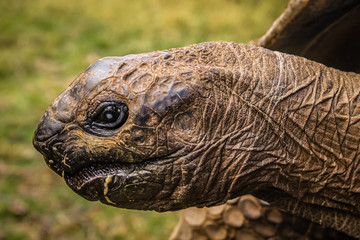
(47, 128)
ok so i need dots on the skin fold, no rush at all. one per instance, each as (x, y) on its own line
(207, 123)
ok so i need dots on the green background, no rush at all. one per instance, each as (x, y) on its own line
(44, 45)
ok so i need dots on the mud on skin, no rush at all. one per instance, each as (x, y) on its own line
(199, 125)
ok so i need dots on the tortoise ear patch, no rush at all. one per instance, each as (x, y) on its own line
(185, 122)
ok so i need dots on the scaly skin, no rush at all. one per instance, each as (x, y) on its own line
(210, 122)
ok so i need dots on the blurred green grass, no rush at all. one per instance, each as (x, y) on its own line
(44, 44)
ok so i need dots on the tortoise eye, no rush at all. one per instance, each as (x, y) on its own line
(110, 115)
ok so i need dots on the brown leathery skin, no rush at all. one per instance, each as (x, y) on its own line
(210, 122)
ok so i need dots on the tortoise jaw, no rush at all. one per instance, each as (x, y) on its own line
(89, 182)
(52, 159)
(120, 185)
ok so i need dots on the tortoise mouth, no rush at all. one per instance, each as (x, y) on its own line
(91, 181)
(120, 184)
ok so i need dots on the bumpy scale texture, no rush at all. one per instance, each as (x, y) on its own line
(207, 123)
(247, 218)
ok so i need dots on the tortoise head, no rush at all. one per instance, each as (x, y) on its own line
(116, 133)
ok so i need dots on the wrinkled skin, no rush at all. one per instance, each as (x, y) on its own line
(209, 122)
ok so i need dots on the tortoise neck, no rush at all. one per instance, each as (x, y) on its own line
(300, 133)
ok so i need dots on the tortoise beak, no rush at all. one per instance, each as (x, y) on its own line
(45, 136)
(47, 128)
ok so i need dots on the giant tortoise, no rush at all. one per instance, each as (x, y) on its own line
(204, 124)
